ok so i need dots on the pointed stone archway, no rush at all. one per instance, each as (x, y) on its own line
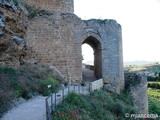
(93, 40)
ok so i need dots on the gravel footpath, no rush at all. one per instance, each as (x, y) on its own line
(33, 109)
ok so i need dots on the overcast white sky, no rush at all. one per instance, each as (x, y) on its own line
(140, 21)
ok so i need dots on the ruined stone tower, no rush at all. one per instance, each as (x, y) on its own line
(57, 39)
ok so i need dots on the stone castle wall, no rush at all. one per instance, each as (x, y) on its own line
(62, 6)
(56, 40)
(52, 41)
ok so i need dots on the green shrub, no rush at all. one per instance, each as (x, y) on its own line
(118, 109)
(125, 97)
(45, 90)
(73, 98)
(10, 81)
(154, 106)
(9, 71)
(33, 13)
(17, 89)
(153, 79)
(155, 85)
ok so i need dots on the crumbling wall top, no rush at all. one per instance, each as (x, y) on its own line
(62, 6)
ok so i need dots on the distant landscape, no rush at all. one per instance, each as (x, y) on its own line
(138, 62)
(90, 62)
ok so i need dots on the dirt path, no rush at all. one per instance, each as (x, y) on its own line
(33, 109)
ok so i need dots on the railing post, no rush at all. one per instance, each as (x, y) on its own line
(46, 109)
(51, 103)
(89, 86)
(82, 89)
(50, 116)
(63, 94)
(55, 101)
(74, 88)
(68, 89)
(79, 88)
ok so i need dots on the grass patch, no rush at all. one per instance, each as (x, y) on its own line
(9, 71)
(134, 68)
(44, 86)
(99, 105)
(154, 101)
(154, 82)
(154, 93)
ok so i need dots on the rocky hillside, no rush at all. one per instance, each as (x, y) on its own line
(13, 25)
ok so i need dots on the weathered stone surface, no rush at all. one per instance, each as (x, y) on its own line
(23, 8)
(2, 22)
(25, 24)
(12, 46)
(8, 3)
(96, 85)
(62, 6)
(137, 85)
(56, 73)
(1, 34)
(18, 39)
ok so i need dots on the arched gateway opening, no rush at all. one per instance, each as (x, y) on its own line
(97, 62)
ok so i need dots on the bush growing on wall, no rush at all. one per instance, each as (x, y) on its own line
(33, 12)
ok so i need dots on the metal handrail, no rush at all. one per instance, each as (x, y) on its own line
(52, 104)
